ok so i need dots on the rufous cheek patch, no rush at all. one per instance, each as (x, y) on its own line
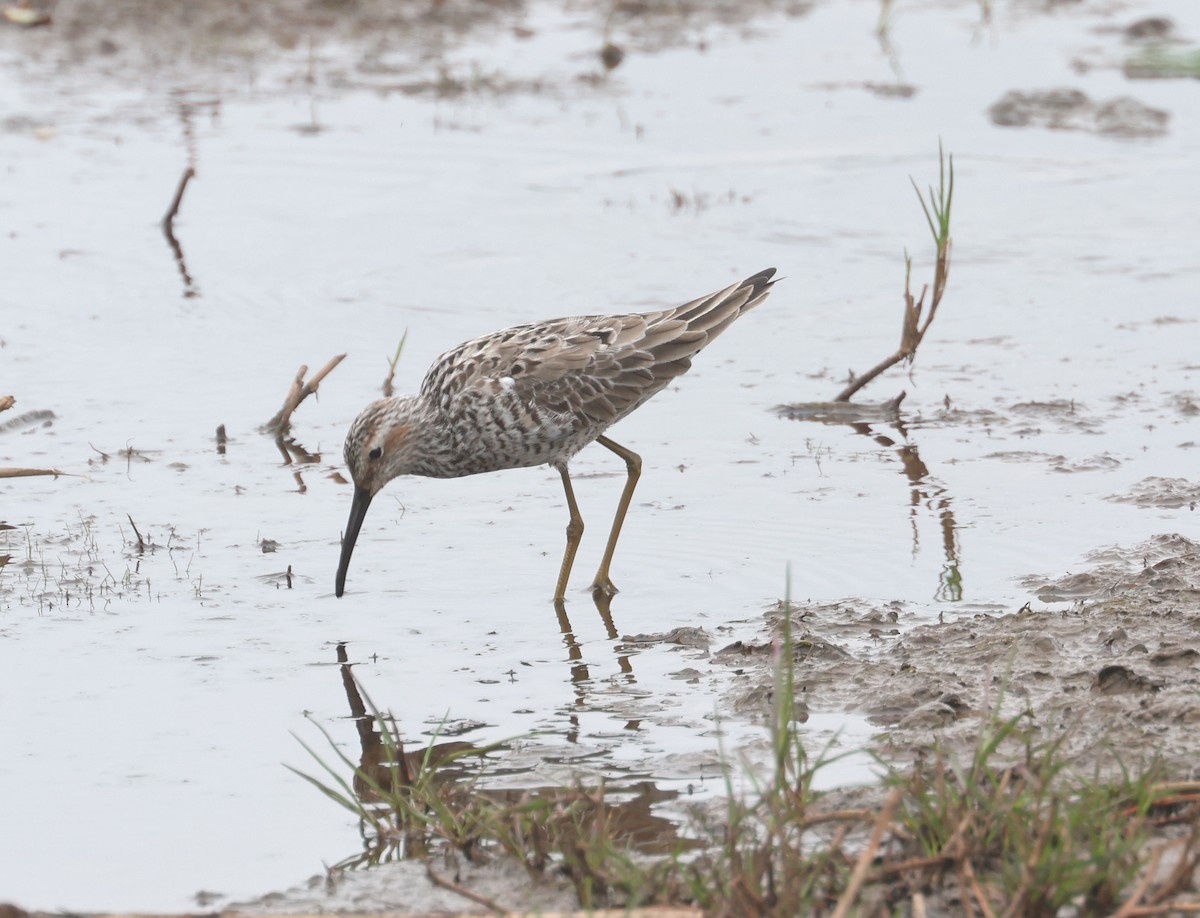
(396, 438)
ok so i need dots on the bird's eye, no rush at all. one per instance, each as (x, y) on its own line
(376, 453)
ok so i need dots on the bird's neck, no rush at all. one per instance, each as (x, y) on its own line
(434, 443)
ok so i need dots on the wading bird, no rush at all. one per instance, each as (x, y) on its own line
(535, 395)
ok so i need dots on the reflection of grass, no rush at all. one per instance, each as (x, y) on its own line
(700, 201)
(476, 80)
(1164, 63)
(982, 836)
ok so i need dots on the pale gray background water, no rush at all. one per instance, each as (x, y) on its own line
(144, 729)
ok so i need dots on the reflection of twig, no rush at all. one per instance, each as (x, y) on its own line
(937, 213)
(883, 32)
(925, 490)
(611, 54)
(185, 108)
(293, 452)
(299, 391)
(168, 228)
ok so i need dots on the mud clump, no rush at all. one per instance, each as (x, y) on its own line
(1166, 493)
(1114, 675)
(1073, 110)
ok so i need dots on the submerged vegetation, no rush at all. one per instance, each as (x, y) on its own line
(1011, 830)
(76, 569)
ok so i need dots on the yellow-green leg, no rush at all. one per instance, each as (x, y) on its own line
(633, 466)
(574, 534)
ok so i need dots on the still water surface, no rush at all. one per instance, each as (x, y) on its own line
(147, 697)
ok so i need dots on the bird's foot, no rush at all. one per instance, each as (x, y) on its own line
(602, 586)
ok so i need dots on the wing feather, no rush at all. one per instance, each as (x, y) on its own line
(594, 369)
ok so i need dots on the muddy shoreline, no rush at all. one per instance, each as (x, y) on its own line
(1112, 665)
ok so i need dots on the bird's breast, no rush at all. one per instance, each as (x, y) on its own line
(498, 430)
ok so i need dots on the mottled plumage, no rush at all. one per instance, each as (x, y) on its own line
(535, 395)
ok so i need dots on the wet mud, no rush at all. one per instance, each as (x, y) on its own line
(1071, 109)
(1108, 658)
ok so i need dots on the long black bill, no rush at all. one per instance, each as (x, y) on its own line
(358, 513)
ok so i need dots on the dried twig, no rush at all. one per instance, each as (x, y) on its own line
(861, 815)
(976, 890)
(1167, 908)
(438, 880)
(29, 473)
(937, 213)
(299, 391)
(1185, 867)
(912, 863)
(141, 543)
(868, 853)
(387, 382)
(168, 228)
(168, 219)
(1131, 902)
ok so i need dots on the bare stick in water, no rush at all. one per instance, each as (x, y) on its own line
(169, 219)
(141, 542)
(912, 333)
(388, 388)
(29, 473)
(299, 391)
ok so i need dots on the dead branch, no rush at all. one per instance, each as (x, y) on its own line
(29, 473)
(859, 874)
(437, 880)
(976, 889)
(913, 329)
(169, 218)
(141, 543)
(913, 863)
(1185, 867)
(1148, 877)
(299, 391)
(387, 382)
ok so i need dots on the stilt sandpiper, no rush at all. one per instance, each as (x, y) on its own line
(535, 395)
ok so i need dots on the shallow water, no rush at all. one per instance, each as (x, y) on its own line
(147, 698)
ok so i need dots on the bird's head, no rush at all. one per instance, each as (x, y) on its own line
(380, 444)
(379, 447)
